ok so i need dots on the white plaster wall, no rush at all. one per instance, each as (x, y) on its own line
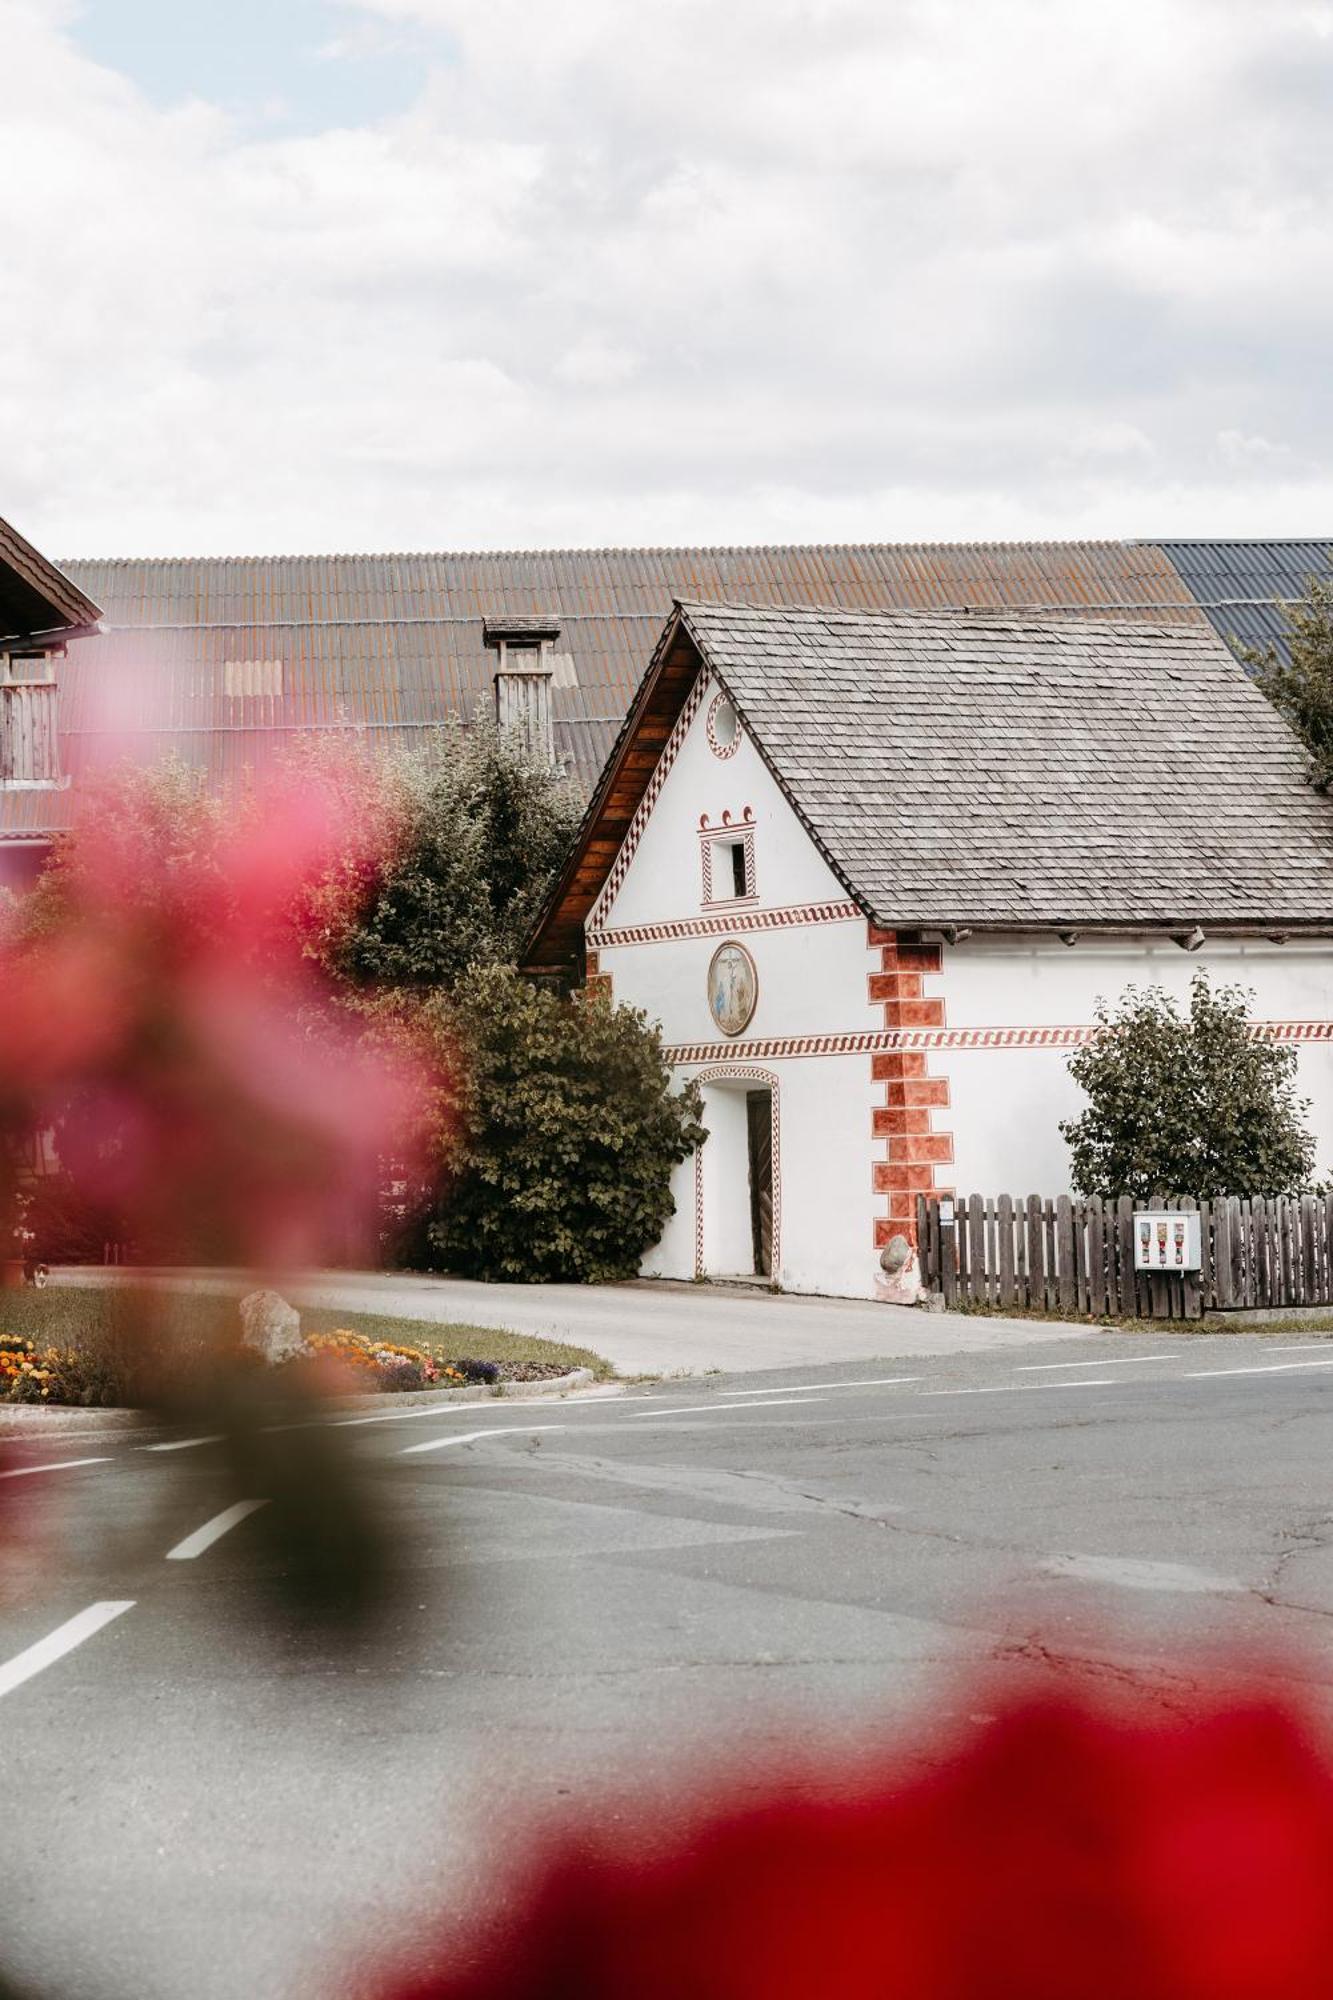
(665, 880)
(1006, 1104)
(826, 1230)
(812, 980)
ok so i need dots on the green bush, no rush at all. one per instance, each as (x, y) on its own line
(1193, 1105)
(559, 1138)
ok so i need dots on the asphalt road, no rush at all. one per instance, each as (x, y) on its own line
(208, 1798)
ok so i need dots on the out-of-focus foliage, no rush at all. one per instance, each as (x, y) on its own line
(558, 1136)
(481, 833)
(1062, 1853)
(165, 1017)
(1301, 687)
(1187, 1105)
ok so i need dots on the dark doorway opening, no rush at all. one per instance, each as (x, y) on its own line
(759, 1122)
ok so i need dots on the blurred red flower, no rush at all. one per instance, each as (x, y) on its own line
(166, 1017)
(1062, 1855)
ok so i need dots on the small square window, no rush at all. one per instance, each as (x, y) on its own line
(729, 874)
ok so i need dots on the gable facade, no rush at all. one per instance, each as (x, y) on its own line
(885, 1063)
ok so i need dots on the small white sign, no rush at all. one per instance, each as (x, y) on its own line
(946, 1214)
(1166, 1239)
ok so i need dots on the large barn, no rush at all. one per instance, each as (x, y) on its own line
(221, 660)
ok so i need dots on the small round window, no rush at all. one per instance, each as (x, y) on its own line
(724, 728)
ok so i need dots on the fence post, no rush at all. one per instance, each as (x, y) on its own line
(1126, 1297)
(1096, 1256)
(1004, 1268)
(976, 1251)
(949, 1257)
(1191, 1288)
(1036, 1254)
(1066, 1284)
(1205, 1256)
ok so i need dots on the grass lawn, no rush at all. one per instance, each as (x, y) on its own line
(93, 1317)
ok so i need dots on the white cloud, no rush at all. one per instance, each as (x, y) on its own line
(783, 268)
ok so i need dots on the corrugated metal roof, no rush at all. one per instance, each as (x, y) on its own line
(396, 643)
(1241, 586)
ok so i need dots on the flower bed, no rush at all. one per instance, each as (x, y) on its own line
(388, 1364)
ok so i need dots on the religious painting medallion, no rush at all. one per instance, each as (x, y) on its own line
(733, 988)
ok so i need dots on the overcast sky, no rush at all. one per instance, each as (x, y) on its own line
(337, 274)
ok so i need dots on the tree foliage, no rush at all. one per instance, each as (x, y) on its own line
(557, 1136)
(482, 832)
(1301, 687)
(1188, 1104)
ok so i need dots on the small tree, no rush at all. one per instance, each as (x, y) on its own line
(483, 833)
(1301, 687)
(559, 1137)
(1193, 1105)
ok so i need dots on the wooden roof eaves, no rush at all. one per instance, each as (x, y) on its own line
(553, 943)
(72, 610)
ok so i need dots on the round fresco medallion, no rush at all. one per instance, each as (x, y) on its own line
(733, 988)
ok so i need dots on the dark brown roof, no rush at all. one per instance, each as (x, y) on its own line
(980, 771)
(35, 597)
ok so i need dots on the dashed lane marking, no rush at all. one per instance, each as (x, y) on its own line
(471, 1437)
(1263, 1368)
(213, 1531)
(1116, 1361)
(60, 1465)
(694, 1409)
(63, 1640)
(797, 1388)
(185, 1444)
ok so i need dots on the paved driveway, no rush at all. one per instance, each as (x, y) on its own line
(661, 1329)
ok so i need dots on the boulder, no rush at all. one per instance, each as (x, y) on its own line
(270, 1326)
(898, 1280)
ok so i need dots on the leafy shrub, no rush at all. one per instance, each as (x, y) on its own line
(1192, 1105)
(557, 1136)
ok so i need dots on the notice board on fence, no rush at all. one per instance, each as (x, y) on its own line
(1166, 1240)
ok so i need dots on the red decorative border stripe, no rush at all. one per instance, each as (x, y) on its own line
(880, 1041)
(629, 845)
(742, 920)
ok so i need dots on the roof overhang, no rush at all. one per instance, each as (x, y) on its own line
(557, 940)
(37, 600)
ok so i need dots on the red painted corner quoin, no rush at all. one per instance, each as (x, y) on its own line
(914, 1149)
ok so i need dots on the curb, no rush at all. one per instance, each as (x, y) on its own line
(31, 1418)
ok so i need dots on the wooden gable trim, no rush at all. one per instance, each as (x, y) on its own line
(556, 943)
(35, 597)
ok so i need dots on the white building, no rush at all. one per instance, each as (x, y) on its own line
(872, 873)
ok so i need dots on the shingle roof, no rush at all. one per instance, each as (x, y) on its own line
(991, 772)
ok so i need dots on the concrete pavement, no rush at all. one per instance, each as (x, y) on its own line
(700, 1576)
(662, 1329)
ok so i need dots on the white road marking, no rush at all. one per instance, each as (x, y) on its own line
(992, 1389)
(1118, 1361)
(1265, 1368)
(213, 1531)
(1132, 1574)
(471, 1437)
(470, 1409)
(185, 1444)
(1088, 1382)
(795, 1388)
(60, 1465)
(691, 1409)
(1299, 1347)
(63, 1640)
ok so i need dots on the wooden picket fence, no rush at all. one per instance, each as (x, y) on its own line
(1077, 1257)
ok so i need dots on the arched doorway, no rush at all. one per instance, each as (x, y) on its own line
(738, 1176)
